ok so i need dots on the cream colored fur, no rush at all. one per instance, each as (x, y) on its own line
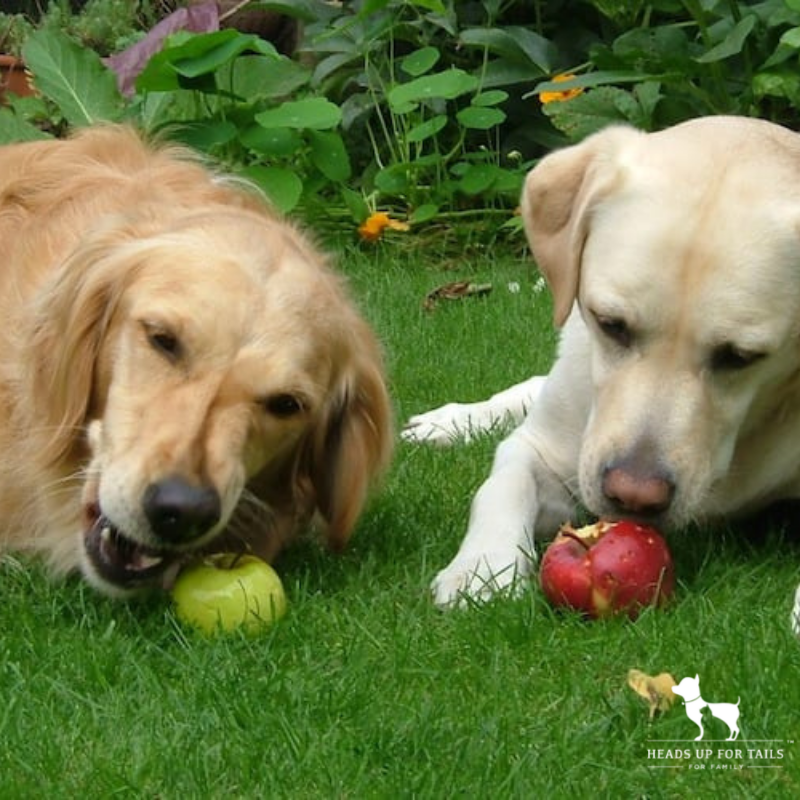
(674, 263)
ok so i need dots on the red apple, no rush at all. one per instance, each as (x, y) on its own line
(607, 568)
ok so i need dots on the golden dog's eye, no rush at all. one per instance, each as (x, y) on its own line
(163, 341)
(730, 358)
(282, 405)
(615, 329)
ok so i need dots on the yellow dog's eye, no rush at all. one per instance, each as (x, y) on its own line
(730, 358)
(615, 329)
(163, 341)
(282, 405)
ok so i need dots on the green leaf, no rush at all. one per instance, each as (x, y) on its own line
(393, 180)
(420, 61)
(508, 182)
(206, 134)
(188, 58)
(503, 72)
(786, 49)
(777, 83)
(207, 52)
(329, 155)
(15, 129)
(331, 64)
(441, 86)
(732, 44)
(371, 6)
(792, 38)
(156, 109)
(491, 98)
(427, 129)
(423, 213)
(648, 95)
(514, 43)
(358, 106)
(477, 179)
(594, 110)
(256, 77)
(405, 108)
(664, 48)
(356, 204)
(72, 77)
(160, 75)
(275, 142)
(283, 187)
(313, 113)
(480, 118)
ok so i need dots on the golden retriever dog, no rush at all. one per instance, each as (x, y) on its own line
(179, 369)
(674, 263)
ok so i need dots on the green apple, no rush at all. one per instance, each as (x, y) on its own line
(227, 591)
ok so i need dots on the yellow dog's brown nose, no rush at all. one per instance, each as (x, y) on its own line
(180, 512)
(633, 491)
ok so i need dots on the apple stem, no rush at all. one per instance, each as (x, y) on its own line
(576, 538)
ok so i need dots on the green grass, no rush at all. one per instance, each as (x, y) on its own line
(365, 690)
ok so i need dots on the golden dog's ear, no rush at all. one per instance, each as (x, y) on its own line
(558, 199)
(68, 327)
(352, 446)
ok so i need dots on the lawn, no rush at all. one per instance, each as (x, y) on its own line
(365, 690)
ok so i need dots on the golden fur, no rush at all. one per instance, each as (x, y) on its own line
(164, 335)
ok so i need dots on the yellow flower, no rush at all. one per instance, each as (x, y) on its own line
(374, 225)
(567, 94)
(656, 690)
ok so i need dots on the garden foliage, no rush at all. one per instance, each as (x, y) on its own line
(427, 107)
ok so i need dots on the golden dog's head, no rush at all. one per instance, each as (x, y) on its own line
(680, 249)
(226, 383)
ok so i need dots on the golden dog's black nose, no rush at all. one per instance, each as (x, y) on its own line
(179, 512)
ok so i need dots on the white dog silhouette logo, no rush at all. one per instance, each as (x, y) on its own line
(689, 690)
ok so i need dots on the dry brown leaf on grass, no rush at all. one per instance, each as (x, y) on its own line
(656, 690)
(455, 291)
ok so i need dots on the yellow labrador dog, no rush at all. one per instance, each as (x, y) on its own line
(674, 263)
(179, 369)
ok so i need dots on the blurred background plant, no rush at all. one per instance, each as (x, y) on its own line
(663, 62)
(103, 25)
(429, 110)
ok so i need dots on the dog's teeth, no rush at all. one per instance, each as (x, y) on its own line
(145, 562)
(105, 534)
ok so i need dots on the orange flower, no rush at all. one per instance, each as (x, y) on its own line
(374, 225)
(567, 94)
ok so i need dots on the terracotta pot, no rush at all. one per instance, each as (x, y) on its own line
(13, 77)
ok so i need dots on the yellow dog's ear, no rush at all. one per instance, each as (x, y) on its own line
(68, 328)
(558, 199)
(352, 446)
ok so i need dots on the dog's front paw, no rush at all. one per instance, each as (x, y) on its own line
(479, 578)
(796, 613)
(454, 422)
